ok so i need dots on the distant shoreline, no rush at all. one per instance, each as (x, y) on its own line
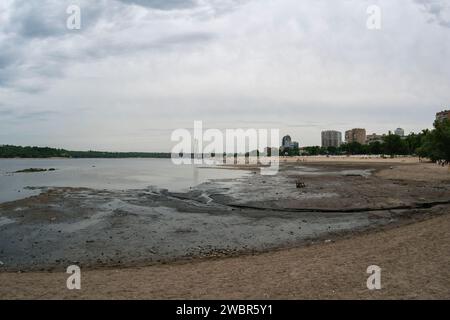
(67, 158)
(11, 152)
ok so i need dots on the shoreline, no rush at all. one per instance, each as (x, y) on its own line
(318, 158)
(255, 213)
(326, 270)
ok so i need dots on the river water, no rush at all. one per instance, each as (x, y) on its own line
(112, 174)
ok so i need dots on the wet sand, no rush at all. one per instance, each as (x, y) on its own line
(414, 260)
(258, 217)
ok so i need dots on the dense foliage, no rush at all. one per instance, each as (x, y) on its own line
(436, 144)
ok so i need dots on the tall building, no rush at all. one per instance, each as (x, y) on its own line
(399, 132)
(374, 138)
(331, 138)
(440, 116)
(286, 141)
(356, 135)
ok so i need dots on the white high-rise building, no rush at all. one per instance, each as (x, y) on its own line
(399, 132)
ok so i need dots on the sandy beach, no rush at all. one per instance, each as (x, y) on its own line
(414, 261)
(412, 247)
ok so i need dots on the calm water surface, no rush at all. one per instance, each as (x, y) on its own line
(102, 174)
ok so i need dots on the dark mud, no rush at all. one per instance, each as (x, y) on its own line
(103, 228)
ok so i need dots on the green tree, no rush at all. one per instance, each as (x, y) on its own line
(375, 147)
(312, 151)
(436, 144)
(332, 150)
(354, 148)
(393, 144)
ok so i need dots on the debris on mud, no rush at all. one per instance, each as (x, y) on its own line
(300, 184)
(32, 170)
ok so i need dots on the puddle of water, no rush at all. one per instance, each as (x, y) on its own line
(4, 221)
(363, 173)
(305, 171)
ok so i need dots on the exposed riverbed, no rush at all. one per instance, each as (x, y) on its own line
(224, 216)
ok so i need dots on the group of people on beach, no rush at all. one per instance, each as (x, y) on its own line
(443, 162)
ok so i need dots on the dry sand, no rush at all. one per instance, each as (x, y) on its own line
(414, 258)
(353, 159)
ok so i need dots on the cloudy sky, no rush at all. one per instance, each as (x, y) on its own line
(137, 69)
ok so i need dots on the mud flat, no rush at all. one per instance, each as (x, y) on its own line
(255, 213)
(414, 259)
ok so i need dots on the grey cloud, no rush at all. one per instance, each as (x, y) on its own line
(33, 19)
(31, 33)
(304, 125)
(6, 77)
(162, 4)
(39, 44)
(438, 10)
(10, 56)
(43, 19)
(7, 56)
(184, 38)
(167, 42)
(36, 115)
(6, 112)
(14, 115)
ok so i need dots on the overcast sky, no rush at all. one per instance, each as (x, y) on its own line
(136, 70)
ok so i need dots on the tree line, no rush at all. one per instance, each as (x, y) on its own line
(433, 144)
(9, 151)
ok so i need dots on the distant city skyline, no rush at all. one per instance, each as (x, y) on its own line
(137, 70)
